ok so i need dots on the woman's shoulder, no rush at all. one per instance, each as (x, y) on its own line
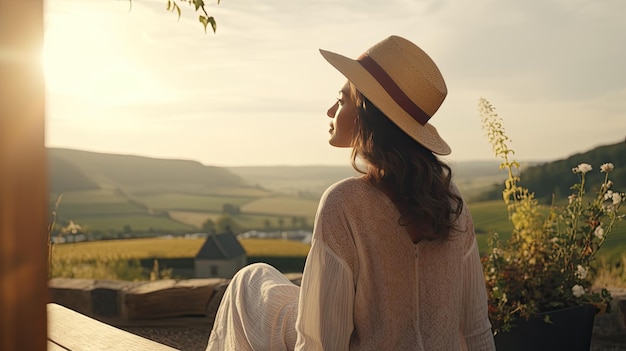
(348, 191)
(347, 184)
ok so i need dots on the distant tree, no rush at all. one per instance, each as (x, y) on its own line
(281, 223)
(230, 209)
(127, 229)
(294, 222)
(267, 224)
(303, 223)
(226, 223)
(209, 226)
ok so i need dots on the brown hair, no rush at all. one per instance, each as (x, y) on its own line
(412, 175)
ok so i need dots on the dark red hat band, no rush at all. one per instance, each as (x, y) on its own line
(393, 89)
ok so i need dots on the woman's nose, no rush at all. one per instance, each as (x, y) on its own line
(332, 110)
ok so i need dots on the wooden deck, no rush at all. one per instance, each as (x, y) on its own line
(70, 330)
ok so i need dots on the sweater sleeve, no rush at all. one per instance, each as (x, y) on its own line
(325, 309)
(475, 324)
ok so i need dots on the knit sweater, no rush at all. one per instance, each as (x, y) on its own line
(367, 286)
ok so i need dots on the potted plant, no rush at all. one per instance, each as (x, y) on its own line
(537, 280)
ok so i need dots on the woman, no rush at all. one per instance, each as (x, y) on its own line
(394, 263)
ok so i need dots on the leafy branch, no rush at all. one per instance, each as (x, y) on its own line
(199, 5)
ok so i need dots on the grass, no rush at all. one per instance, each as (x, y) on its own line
(282, 206)
(193, 218)
(99, 209)
(91, 197)
(138, 222)
(178, 201)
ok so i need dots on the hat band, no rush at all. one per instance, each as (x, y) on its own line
(393, 89)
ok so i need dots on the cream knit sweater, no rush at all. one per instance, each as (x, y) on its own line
(365, 286)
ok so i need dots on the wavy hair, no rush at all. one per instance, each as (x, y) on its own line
(417, 181)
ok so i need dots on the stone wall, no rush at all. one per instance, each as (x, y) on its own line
(181, 313)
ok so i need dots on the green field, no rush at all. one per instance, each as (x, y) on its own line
(109, 222)
(170, 248)
(109, 211)
(282, 206)
(179, 201)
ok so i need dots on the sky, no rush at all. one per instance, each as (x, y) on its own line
(138, 80)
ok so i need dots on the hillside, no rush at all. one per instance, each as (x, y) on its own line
(557, 177)
(113, 195)
(310, 181)
(80, 170)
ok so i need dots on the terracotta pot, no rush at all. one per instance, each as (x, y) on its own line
(571, 330)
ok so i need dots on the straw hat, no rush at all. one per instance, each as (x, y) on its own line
(402, 81)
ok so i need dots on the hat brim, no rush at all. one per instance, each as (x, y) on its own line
(426, 135)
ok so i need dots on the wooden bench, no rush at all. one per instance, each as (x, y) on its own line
(70, 330)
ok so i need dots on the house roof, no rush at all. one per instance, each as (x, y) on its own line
(221, 246)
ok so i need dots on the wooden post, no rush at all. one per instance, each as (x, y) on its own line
(23, 178)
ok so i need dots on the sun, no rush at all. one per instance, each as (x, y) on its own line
(87, 56)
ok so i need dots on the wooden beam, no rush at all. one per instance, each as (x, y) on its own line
(23, 178)
(74, 331)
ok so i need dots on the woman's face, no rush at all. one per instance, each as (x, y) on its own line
(343, 114)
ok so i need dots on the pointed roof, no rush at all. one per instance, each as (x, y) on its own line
(221, 247)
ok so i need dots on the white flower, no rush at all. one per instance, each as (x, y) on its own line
(609, 184)
(617, 198)
(607, 167)
(599, 232)
(582, 168)
(571, 198)
(608, 195)
(554, 240)
(578, 290)
(581, 272)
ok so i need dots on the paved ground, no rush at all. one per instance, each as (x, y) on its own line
(181, 338)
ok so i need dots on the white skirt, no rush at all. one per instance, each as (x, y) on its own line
(258, 312)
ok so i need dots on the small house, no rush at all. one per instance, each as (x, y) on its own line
(221, 256)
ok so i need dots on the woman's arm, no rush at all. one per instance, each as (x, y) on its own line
(325, 310)
(475, 324)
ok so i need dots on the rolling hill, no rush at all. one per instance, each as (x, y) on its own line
(116, 194)
(112, 194)
(556, 177)
(80, 170)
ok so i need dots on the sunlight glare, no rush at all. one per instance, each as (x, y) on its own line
(84, 57)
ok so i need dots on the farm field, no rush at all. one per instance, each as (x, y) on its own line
(170, 248)
(194, 202)
(282, 206)
(108, 211)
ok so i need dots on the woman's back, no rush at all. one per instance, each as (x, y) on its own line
(406, 296)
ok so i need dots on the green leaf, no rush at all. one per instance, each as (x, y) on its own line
(198, 4)
(204, 21)
(213, 23)
(177, 9)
